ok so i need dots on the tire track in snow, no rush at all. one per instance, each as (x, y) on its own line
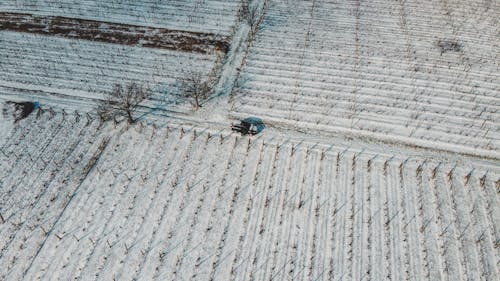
(192, 209)
(262, 254)
(421, 218)
(388, 251)
(278, 261)
(405, 221)
(293, 267)
(440, 224)
(164, 154)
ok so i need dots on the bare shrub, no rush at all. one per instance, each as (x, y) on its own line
(123, 101)
(449, 46)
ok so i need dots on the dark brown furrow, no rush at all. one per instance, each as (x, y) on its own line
(116, 33)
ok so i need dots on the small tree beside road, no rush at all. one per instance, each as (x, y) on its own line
(123, 101)
(195, 88)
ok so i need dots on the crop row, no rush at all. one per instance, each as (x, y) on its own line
(212, 16)
(81, 70)
(365, 70)
(177, 202)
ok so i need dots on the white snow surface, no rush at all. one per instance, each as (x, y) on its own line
(380, 159)
(73, 74)
(374, 69)
(87, 200)
(213, 16)
(6, 123)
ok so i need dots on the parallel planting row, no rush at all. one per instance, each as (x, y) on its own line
(73, 73)
(422, 74)
(42, 164)
(211, 16)
(183, 203)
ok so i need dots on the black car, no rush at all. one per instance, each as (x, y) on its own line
(249, 126)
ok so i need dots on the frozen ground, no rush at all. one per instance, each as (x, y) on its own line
(380, 159)
(73, 74)
(214, 16)
(88, 200)
(376, 69)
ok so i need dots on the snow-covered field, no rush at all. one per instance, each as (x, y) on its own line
(341, 185)
(6, 122)
(81, 199)
(376, 69)
(69, 73)
(73, 73)
(214, 16)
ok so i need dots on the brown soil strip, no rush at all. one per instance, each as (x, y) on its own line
(116, 33)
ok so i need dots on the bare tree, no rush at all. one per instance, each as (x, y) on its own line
(196, 88)
(123, 101)
(249, 13)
